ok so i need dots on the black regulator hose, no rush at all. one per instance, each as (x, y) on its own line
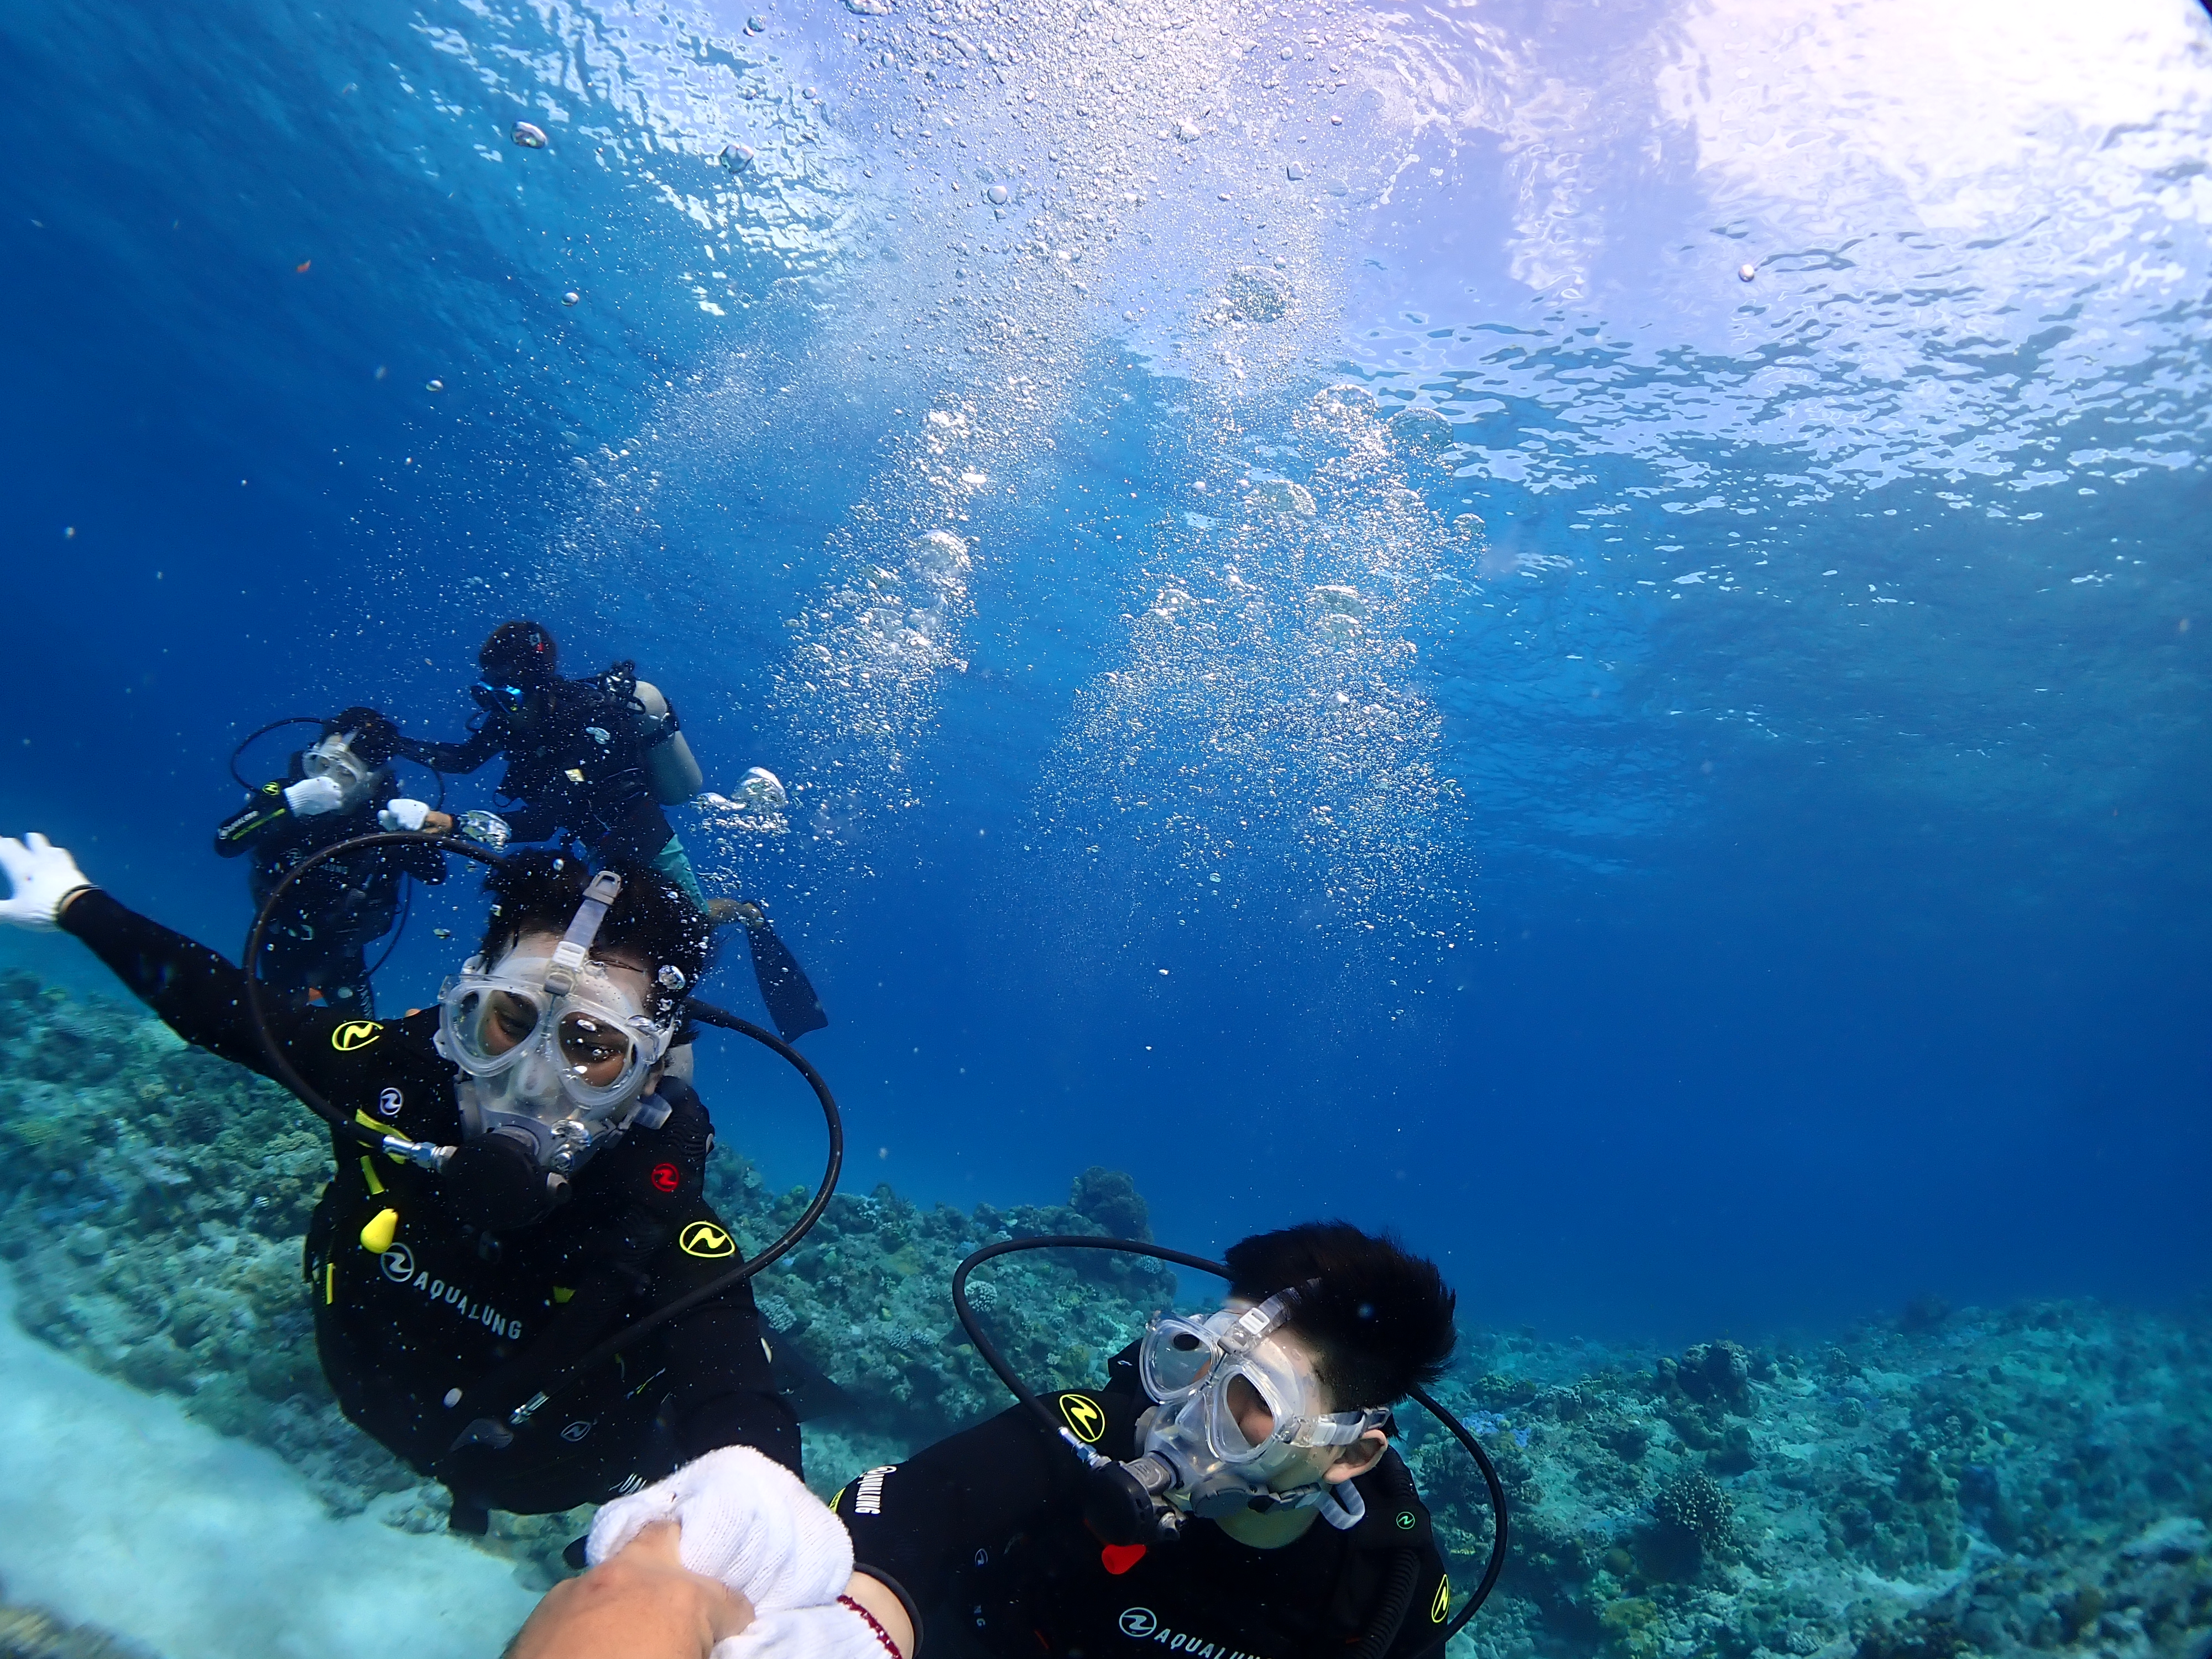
(990, 1350)
(290, 720)
(1027, 1396)
(708, 1014)
(256, 1009)
(318, 721)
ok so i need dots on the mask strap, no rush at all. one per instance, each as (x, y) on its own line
(575, 945)
(1255, 1322)
(1341, 1505)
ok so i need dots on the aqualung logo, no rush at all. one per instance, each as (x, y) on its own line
(355, 1034)
(1142, 1625)
(1083, 1417)
(704, 1238)
(399, 1266)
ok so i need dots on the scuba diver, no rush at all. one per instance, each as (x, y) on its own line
(1286, 1526)
(600, 758)
(332, 791)
(596, 758)
(454, 1286)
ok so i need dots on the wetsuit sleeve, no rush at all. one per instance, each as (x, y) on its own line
(197, 994)
(727, 1396)
(920, 1520)
(253, 822)
(465, 756)
(426, 863)
(534, 821)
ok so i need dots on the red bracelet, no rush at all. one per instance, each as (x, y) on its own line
(875, 1625)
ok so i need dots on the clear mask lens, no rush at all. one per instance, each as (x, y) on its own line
(1175, 1357)
(591, 1039)
(331, 758)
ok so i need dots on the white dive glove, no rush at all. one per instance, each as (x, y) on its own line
(401, 813)
(835, 1632)
(311, 797)
(747, 1521)
(41, 875)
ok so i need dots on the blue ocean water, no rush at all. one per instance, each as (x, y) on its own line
(1577, 630)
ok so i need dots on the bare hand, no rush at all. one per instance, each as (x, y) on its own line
(642, 1603)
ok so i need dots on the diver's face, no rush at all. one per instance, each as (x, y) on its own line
(1306, 1464)
(595, 1050)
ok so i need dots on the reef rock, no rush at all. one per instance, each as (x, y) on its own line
(2033, 1481)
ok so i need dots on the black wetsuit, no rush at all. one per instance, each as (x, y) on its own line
(448, 1306)
(316, 943)
(984, 1532)
(581, 767)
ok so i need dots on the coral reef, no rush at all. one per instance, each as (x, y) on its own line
(1110, 1198)
(2030, 1481)
(866, 1299)
(1949, 1482)
(28, 1633)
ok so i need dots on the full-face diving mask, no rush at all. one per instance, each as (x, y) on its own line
(554, 1055)
(1197, 1369)
(332, 756)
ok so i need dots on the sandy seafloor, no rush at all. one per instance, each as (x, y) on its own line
(125, 1513)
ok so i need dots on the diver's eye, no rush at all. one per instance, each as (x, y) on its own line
(1184, 1341)
(586, 1042)
(509, 1016)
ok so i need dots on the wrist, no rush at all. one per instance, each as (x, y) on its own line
(70, 898)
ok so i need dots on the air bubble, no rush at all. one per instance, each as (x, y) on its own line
(530, 134)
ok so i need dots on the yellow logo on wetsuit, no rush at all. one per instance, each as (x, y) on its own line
(1442, 1605)
(705, 1238)
(1083, 1417)
(355, 1034)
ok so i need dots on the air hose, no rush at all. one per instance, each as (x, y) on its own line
(1027, 1396)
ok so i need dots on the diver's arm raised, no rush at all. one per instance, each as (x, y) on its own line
(198, 995)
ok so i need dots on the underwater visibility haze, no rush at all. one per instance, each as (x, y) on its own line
(1577, 630)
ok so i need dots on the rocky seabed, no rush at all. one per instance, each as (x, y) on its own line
(2036, 1480)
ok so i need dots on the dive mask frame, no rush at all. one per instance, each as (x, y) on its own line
(572, 1005)
(1234, 1343)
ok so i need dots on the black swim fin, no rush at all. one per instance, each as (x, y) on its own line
(784, 986)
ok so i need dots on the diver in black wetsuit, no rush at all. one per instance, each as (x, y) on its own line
(1265, 1423)
(986, 1531)
(598, 757)
(573, 1206)
(332, 791)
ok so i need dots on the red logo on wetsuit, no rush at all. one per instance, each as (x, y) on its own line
(665, 1178)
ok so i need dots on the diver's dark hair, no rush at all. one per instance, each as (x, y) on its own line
(650, 920)
(1379, 1321)
(375, 738)
(520, 652)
